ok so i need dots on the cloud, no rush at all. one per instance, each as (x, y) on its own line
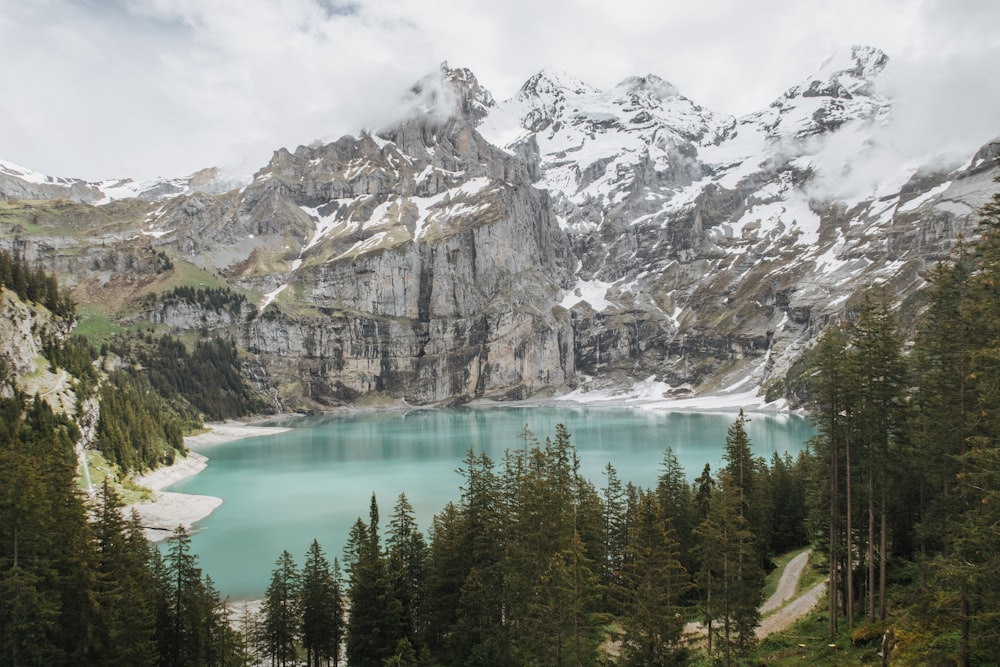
(104, 88)
(147, 87)
(943, 111)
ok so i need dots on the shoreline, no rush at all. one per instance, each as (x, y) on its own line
(165, 510)
(162, 513)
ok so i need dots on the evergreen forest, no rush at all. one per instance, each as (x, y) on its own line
(898, 495)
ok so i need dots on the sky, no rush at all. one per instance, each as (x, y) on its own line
(100, 89)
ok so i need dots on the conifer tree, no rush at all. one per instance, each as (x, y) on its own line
(831, 385)
(749, 482)
(186, 613)
(321, 609)
(375, 623)
(959, 347)
(730, 576)
(281, 612)
(655, 584)
(616, 538)
(880, 377)
(445, 574)
(564, 626)
(407, 555)
(481, 631)
(673, 493)
(126, 622)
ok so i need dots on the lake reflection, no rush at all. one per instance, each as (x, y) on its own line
(281, 491)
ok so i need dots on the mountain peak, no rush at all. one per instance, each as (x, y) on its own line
(649, 85)
(555, 82)
(844, 75)
(450, 92)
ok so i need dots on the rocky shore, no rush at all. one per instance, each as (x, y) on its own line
(166, 510)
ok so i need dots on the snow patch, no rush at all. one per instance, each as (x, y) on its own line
(954, 207)
(917, 202)
(651, 394)
(271, 296)
(594, 292)
(30, 175)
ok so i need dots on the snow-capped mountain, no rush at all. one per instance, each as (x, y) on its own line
(17, 182)
(567, 238)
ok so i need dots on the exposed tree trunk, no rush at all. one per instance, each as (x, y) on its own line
(708, 611)
(883, 555)
(849, 537)
(963, 642)
(871, 545)
(833, 586)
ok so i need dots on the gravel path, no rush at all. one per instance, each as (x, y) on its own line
(794, 607)
(788, 583)
(791, 612)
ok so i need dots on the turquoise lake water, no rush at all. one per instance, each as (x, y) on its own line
(281, 491)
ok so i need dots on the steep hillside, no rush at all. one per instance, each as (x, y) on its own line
(565, 238)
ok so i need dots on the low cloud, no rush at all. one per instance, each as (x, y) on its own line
(942, 112)
(142, 88)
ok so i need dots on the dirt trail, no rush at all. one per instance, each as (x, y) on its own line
(791, 612)
(782, 616)
(785, 606)
(787, 583)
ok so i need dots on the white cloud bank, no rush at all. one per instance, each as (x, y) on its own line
(144, 88)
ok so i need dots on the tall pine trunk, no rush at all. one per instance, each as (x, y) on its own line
(849, 537)
(871, 545)
(833, 585)
(883, 555)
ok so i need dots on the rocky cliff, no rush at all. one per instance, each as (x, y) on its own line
(24, 330)
(565, 238)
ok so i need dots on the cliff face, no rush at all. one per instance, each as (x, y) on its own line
(430, 273)
(565, 238)
(420, 264)
(24, 328)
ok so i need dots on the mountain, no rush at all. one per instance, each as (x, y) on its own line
(21, 183)
(565, 239)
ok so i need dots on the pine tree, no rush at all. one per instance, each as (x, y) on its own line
(673, 493)
(564, 626)
(749, 482)
(321, 608)
(407, 555)
(446, 571)
(831, 384)
(880, 376)
(480, 635)
(375, 623)
(655, 585)
(281, 612)
(615, 540)
(47, 575)
(730, 576)
(959, 346)
(186, 615)
(126, 624)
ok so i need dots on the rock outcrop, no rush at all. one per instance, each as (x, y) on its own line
(568, 237)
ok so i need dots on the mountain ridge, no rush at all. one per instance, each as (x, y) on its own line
(566, 238)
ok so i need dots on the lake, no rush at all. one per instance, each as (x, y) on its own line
(281, 491)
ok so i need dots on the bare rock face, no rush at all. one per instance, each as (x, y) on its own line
(712, 250)
(418, 264)
(437, 285)
(24, 330)
(563, 238)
